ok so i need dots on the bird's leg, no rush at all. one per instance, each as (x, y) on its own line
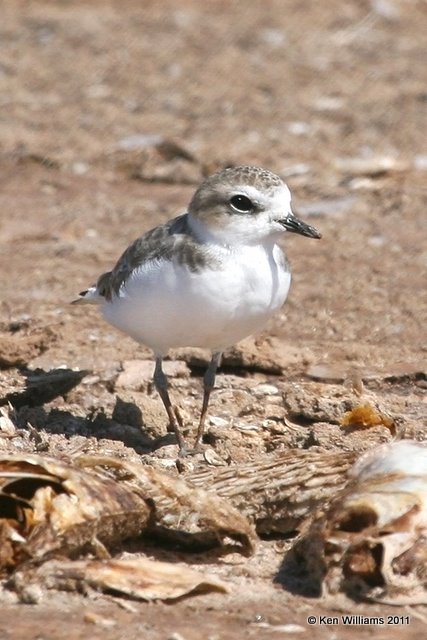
(161, 383)
(208, 385)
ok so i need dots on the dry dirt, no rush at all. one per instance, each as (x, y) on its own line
(110, 115)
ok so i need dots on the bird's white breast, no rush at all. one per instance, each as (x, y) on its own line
(163, 304)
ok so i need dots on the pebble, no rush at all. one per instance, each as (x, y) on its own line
(213, 459)
(216, 421)
(299, 128)
(376, 241)
(265, 390)
(95, 618)
(242, 426)
(420, 162)
(299, 169)
(328, 103)
(31, 594)
(139, 141)
(79, 168)
(386, 9)
(275, 38)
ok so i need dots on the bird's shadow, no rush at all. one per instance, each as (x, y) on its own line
(294, 576)
(126, 423)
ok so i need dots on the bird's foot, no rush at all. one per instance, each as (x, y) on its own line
(187, 451)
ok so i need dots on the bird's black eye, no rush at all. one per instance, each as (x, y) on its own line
(241, 203)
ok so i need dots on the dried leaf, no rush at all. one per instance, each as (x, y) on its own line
(137, 578)
(365, 416)
(7, 427)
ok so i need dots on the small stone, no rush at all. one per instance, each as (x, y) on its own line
(168, 452)
(338, 373)
(299, 169)
(242, 426)
(420, 162)
(175, 636)
(96, 618)
(386, 9)
(91, 379)
(327, 373)
(216, 421)
(265, 390)
(31, 594)
(329, 103)
(139, 141)
(79, 168)
(274, 38)
(376, 241)
(299, 128)
(213, 459)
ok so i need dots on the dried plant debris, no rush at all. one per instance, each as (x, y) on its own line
(278, 492)
(365, 416)
(371, 543)
(183, 513)
(7, 426)
(48, 507)
(136, 578)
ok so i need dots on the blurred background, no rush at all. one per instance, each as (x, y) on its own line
(274, 82)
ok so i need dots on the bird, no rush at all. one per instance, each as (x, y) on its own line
(206, 278)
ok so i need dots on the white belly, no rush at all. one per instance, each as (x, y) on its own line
(164, 305)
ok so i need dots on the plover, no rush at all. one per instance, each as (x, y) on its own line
(208, 278)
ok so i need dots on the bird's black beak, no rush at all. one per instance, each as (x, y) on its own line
(295, 225)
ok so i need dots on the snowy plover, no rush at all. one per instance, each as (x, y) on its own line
(208, 278)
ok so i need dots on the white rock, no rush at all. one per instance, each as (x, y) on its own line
(139, 141)
(216, 421)
(265, 390)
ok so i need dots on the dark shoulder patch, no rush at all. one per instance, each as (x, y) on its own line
(170, 241)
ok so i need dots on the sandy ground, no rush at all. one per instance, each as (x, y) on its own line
(111, 113)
